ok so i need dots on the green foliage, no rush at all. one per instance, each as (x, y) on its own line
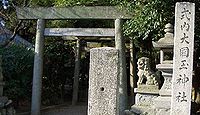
(62, 3)
(149, 18)
(17, 70)
(74, 2)
(58, 69)
(147, 23)
(41, 3)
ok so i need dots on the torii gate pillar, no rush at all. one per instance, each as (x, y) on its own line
(38, 68)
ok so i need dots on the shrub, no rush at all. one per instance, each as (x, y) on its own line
(17, 64)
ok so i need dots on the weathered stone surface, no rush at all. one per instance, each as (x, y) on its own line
(151, 89)
(106, 32)
(162, 103)
(145, 95)
(162, 112)
(146, 76)
(77, 12)
(167, 71)
(147, 89)
(38, 68)
(140, 110)
(167, 41)
(103, 82)
(183, 58)
(120, 45)
(145, 99)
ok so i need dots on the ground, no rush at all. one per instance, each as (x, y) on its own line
(63, 109)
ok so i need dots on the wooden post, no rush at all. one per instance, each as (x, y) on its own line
(76, 73)
(38, 68)
(120, 45)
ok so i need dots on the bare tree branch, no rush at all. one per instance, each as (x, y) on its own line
(16, 29)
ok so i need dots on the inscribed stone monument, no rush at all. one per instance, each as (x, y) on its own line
(103, 82)
(183, 58)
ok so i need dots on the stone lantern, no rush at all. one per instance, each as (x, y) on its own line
(150, 102)
(165, 45)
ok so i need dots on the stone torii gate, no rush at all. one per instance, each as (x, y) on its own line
(97, 12)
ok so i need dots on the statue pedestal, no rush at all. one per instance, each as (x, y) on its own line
(144, 99)
(146, 94)
(163, 103)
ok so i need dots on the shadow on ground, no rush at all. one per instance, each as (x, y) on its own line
(63, 109)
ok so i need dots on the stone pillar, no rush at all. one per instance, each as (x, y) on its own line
(103, 96)
(183, 58)
(38, 68)
(76, 73)
(120, 45)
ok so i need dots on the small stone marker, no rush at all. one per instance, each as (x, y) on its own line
(183, 58)
(103, 82)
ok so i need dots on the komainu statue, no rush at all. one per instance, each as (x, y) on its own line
(146, 76)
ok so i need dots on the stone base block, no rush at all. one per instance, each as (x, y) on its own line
(162, 112)
(150, 89)
(141, 110)
(162, 103)
(165, 92)
(146, 110)
(145, 99)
